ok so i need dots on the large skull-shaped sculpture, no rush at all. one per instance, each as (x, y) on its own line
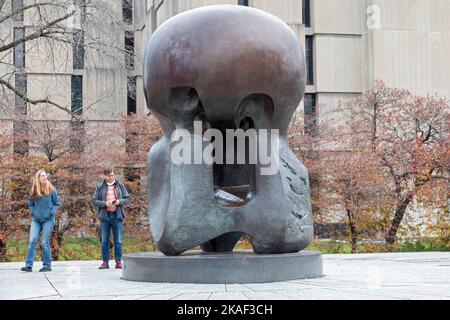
(231, 66)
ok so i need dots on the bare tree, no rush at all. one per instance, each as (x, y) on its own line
(59, 30)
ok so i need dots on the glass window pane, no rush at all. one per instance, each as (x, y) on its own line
(310, 113)
(129, 47)
(16, 6)
(19, 49)
(131, 97)
(21, 86)
(77, 95)
(127, 6)
(78, 50)
(309, 60)
(77, 139)
(306, 11)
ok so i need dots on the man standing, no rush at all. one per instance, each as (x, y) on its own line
(110, 197)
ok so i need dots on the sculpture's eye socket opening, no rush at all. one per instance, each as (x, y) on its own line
(187, 107)
(235, 184)
(247, 123)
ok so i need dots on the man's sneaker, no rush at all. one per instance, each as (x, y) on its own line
(104, 266)
(119, 265)
(27, 269)
(45, 269)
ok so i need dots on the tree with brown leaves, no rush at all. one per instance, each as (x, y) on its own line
(408, 136)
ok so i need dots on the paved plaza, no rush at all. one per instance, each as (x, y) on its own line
(361, 276)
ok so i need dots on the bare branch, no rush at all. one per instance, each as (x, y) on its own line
(43, 31)
(20, 10)
(24, 97)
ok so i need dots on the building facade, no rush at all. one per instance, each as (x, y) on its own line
(348, 45)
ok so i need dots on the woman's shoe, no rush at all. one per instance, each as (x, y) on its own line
(27, 269)
(45, 269)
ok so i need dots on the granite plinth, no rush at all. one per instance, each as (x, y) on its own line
(217, 268)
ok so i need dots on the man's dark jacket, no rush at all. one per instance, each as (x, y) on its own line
(99, 200)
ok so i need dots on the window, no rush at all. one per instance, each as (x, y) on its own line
(131, 95)
(310, 113)
(17, 5)
(127, 10)
(21, 86)
(78, 36)
(77, 95)
(154, 18)
(131, 143)
(21, 143)
(78, 50)
(129, 50)
(81, 4)
(310, 104)
(19, 49)
(243, 3)
(306, 13)
(309, 60)
(77, 139)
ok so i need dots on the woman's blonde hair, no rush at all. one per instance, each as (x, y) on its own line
(37, 189)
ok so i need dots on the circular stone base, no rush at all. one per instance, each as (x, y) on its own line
(218, 268)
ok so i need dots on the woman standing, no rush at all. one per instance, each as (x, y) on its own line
(43, 203)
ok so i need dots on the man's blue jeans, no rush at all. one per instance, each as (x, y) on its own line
(117, 227)
(46, 229)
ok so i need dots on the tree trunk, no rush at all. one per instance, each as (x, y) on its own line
(2, 250)
(55, 244)
(354, 237)
(398, 217)
(353, 231)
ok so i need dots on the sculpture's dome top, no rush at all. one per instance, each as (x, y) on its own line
(226, 53)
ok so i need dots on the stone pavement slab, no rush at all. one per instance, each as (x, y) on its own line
(363, 276)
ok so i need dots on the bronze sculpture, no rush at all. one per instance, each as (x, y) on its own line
(230, 67)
